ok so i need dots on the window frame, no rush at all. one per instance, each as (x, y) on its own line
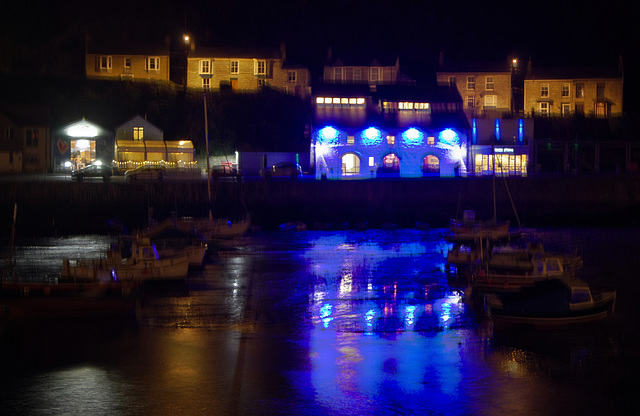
(260, 67)
(544, 90)
(292, 76)
(206, 84)
(471, 83)
(566, 90)
(234, 67)
(546, 110)
(105, 62)
(489, 83)
(494, 98)
(205, 63)
(153, 61)
(377, 79)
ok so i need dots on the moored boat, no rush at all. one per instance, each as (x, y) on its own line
(551, 303)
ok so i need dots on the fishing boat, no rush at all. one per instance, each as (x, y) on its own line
(551, 303)
(471, 229)
(143, 263)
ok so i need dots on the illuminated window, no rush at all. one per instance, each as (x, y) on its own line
(153, 63)
(431, 164)
(104, 63)
(372, 161)
(375, 75)
(391, 140)
(205, 67)
(488, 85)
(350, 164)
(336, 100)
(565, 90)
(206, 84)
(319, 100)
(351, 140)
(543, 108)
(292, 76)
(580, 90)
(127, 63)
(138, 133)
(490, 101)
(471, 83)
(544, 90)
(390, 164)
(431, 140)
(359, 101)
(352, 101)
(405, 106)
(260, 67)
(234, 67)
(344, 101)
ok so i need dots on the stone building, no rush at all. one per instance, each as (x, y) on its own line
(128, 63)
(25, 144)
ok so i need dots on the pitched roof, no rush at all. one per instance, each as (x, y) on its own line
(231, 52)
(572, 73)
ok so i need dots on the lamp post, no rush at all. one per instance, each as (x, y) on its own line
(187, 45)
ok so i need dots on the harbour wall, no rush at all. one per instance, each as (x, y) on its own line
(46, 207)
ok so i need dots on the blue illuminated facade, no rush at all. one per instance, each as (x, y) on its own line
(403, 131)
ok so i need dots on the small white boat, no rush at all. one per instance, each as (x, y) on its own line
(551, 304)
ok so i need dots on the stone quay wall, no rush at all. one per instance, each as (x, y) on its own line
(46, 207)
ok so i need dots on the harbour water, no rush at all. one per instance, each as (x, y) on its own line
(324, 323)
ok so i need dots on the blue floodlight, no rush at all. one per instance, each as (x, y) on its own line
(328, 135)
(412, 137)
(498, 129)
(520, 130)
(371, 136)
(449, 137)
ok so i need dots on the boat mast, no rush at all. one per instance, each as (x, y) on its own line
(206, 133)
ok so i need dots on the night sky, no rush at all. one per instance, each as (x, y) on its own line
(551, 32)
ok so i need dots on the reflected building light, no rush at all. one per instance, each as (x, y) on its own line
(409, 316)
(325, 314)
(369, 319)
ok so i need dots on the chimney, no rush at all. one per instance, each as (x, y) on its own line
(283, 51)
(329, 55)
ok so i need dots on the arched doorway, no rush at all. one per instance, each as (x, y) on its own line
(430, 165)
(350, 164)
(390, 164)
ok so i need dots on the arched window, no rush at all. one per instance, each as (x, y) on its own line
(430, 164)
(390, 164)
(350, 164)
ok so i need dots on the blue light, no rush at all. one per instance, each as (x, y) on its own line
(474, 132)
(520, 130)
(449, 137)
(498, 129)
(328, 135)
(371, 136)
(413, 137)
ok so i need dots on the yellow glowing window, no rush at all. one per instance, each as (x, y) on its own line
(352, 101)
(391, 140)
(336, 100)
(319, 100)
(138, 133)
(360, 100)
(372, 161)
(344, 101)
(351, 140)
(431, 140)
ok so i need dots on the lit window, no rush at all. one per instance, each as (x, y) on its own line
(205, 67)
(351, 140)
(544, 90)
(234, 67)
(138, 133)
(471, 83)
(336, 100)
(344, 101)
(292, 76)
(319, 100)
(431, 140)
(488, 84)
(153, 63)
(360, 101)
(372, 161)
(352, 101)
(490, 101)
(543, 108)
(565, 90)
(391, 140)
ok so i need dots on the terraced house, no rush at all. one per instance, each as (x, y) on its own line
(246, 70)
(128, 63)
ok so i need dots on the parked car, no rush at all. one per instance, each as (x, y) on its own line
(223, 171)
(95, 170)
(145, 172)
(290, 169)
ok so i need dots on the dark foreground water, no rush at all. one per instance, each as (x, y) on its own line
(324, 323)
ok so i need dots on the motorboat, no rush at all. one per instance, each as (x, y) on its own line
(557, 302)
(470, 229)
(208, 229)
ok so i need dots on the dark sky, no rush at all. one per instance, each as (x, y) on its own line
(552, 33)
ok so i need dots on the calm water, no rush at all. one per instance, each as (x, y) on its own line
(324, 323)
